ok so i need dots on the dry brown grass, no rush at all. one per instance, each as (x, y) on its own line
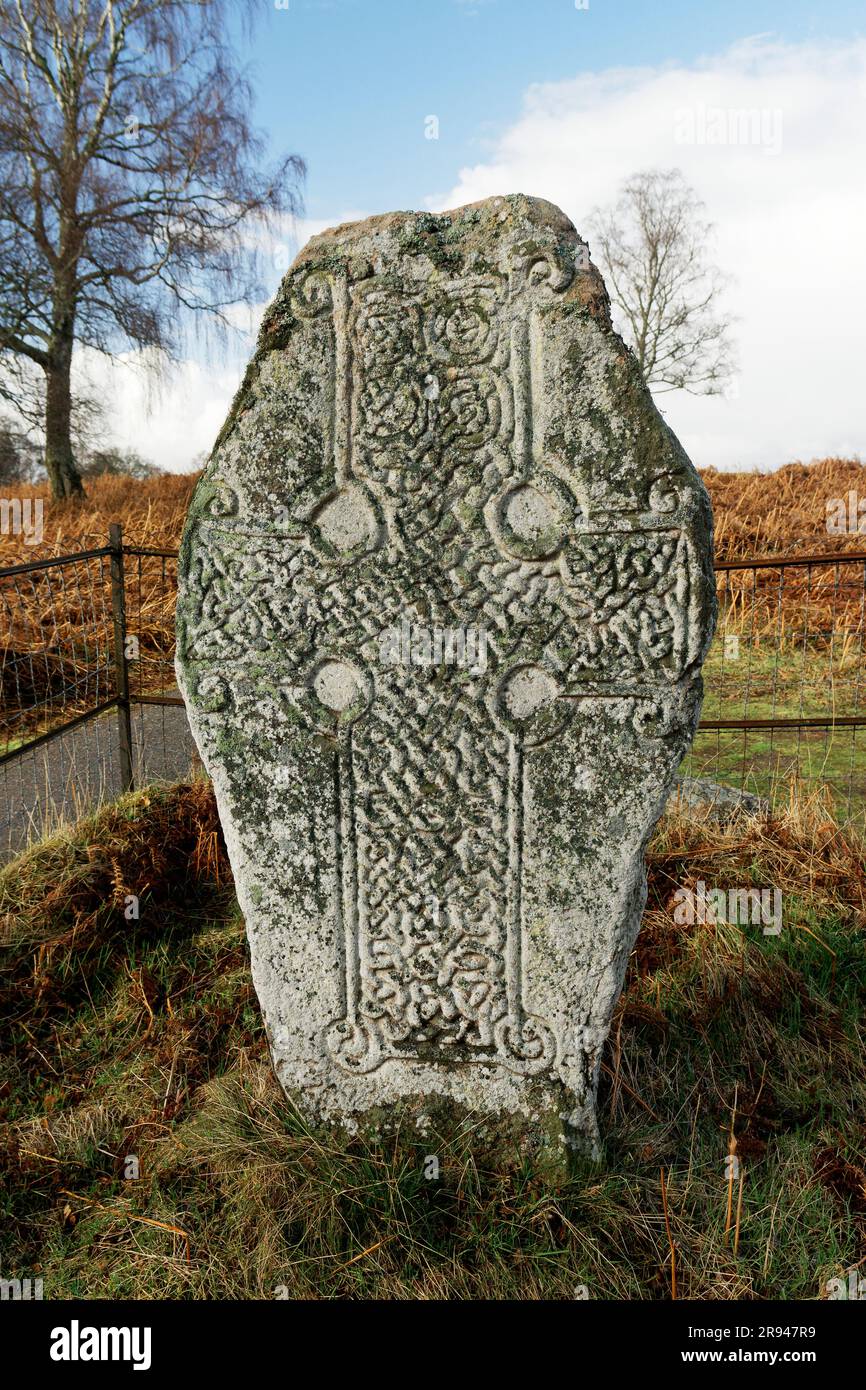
(784, 512)
(151, 512)
(756, 513)
(56, 630)
(143, 1037)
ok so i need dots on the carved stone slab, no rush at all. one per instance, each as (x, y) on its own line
(446, 588)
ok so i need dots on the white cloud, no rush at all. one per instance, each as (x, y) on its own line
(174, 420)
(171, 418)
(790, 214)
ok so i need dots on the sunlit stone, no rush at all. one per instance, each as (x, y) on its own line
(444, 705)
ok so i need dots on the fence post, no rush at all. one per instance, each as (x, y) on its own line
(121, 668)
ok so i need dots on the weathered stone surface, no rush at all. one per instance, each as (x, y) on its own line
(445, 591)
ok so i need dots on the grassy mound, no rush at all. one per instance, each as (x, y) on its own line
(149, 1153)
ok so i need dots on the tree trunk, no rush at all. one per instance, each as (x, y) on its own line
(59, 458)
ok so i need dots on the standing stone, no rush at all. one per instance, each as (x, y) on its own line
(446, 588)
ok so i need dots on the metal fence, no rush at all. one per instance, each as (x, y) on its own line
(89, 706)
(784, 679)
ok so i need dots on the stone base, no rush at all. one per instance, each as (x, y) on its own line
(443, 1129)
(720, 803)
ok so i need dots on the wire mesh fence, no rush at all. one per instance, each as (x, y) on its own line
(89, 704)
(57, 651)
(784, 679)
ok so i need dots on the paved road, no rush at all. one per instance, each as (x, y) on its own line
(72, 773)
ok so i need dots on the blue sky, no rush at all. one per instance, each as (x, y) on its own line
(348, 83)
(540, 97)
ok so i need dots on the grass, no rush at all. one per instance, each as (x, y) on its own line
(801, 631)
(151, 510)
(794, 680)
(783, 511)
(142, 1037)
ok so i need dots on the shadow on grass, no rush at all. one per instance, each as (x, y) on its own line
(149, 1152)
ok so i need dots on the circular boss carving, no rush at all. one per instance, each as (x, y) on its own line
(531, 520)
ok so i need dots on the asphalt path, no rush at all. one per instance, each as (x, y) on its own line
(73, 773)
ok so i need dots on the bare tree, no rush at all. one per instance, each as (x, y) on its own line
(19, 457)
(22, 385)
(652, 245)
(115, 462)
(130, 186)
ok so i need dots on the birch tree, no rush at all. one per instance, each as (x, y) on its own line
(131, 187)
(652, 247)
